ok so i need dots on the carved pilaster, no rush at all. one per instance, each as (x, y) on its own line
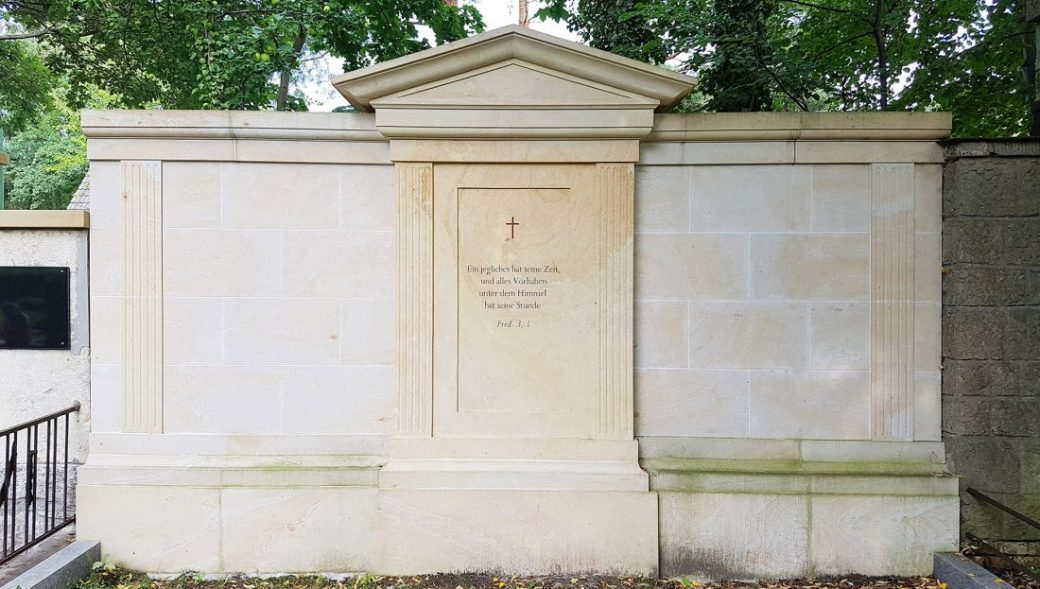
(415, 300)
(892, 301)
(616, 189)
(142, 297)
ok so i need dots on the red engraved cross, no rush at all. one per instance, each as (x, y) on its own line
(512, 227)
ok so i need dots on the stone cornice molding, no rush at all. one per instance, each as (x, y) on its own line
(815, 126)
(361, 127)
(202, 124)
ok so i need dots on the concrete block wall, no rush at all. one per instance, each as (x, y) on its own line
(991, 334)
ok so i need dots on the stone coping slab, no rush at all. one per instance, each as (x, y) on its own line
(1003, 147)
(960, 572)
(213, 124)
(66, 567)
(821, 126)
(667, 127)
(37, 219)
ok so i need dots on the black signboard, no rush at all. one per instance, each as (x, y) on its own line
(34, 308)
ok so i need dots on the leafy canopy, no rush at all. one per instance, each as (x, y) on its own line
(964, 56)
(222, 54)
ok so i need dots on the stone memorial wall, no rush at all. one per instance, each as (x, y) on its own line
(517, 320)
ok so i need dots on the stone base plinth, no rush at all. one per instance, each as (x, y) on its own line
(517, 532)
(775, 509)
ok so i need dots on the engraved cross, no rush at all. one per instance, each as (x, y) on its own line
(512, 227)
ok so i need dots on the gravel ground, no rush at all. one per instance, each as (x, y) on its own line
(113, 578)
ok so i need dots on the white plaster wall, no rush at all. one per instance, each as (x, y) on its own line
(278, 297)
(34, 383)
(753, 291)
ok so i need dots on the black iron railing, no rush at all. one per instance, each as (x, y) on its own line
(35, 499)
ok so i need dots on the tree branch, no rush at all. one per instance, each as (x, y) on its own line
(780, 84)
(818, 6)
(30, 35)
(839, 44)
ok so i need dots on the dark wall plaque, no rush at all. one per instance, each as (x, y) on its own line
(34, 308)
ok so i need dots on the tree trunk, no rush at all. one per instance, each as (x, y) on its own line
(283, 81)
(882, 50)
(524, 20)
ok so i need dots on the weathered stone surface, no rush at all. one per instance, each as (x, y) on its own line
(991, 285)
(1021, 241)
(971, 241)
(968, 416)
(1023, 339)
(1015, 417)
(991, 187)
(1028, 378)
(974, 333)
(988, 464)
(980, 377)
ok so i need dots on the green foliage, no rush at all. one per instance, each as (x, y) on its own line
(222, 54)
(964, 56)
(617, 26)
(57, 56)
(25, 85)
(736, 75)
(49, 158)
(977, 73)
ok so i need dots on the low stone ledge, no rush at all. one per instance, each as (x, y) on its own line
(37, 219)
(960, 572)
(64, 568)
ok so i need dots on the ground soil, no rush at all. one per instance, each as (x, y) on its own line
(120, 579)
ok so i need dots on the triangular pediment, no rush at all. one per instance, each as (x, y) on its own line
(513, 66)
(516, 83)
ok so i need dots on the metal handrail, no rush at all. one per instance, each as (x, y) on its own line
(73, 409)
(991, 501)
(24, 526)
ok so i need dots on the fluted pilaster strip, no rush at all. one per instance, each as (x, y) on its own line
(415, 300)
(616, 189)
(142, 296)
(892, 301)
